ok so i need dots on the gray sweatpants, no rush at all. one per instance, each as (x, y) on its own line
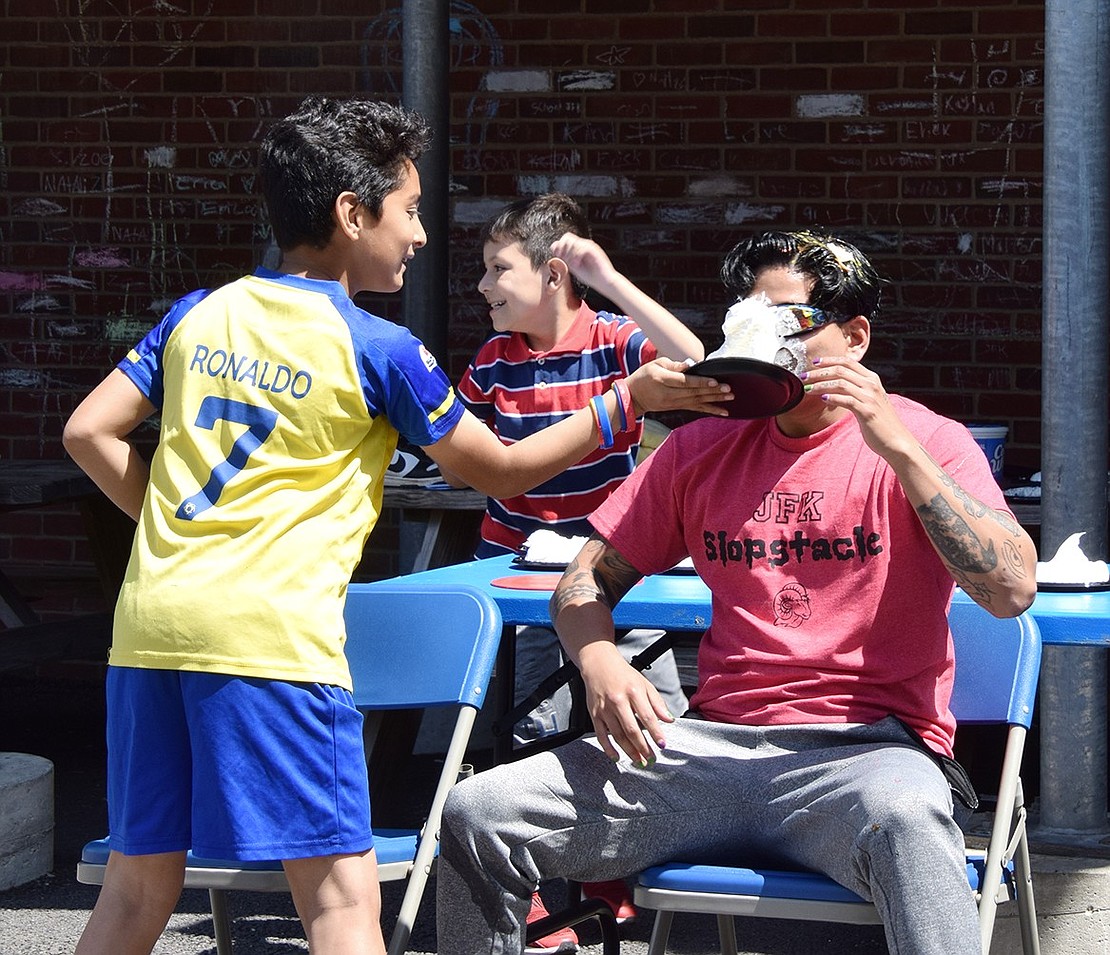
(860, 803)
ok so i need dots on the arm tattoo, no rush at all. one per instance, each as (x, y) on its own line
(1012, 558)
(954, 540)
(971, 505)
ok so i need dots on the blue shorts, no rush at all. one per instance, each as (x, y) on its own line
(234, 767)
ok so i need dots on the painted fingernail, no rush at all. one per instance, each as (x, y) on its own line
(804, 375)
(817, 361)
(807, 388)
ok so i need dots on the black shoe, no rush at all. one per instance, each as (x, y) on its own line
(411, 466)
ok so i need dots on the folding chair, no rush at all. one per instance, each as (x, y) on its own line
(408, 647)
(997, 665)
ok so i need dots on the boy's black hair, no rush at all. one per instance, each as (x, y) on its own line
(845, 284)
(536, 223)
(327, 147)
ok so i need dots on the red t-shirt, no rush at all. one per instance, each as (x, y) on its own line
(829, 602)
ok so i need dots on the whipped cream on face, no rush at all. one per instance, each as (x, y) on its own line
(754, 328)
(1071, 566)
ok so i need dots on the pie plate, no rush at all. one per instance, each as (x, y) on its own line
(760, 389)
(1046, 586)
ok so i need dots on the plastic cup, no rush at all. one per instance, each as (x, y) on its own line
(992, 439)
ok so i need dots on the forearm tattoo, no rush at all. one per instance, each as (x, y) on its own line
(954, 540)
(977, 508)
(599, 573)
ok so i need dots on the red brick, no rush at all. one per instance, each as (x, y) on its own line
(749, 106)
(757, 53)
(940, 23)
(1011, 22)
(830, 160)
(857, 77)
(901, 51)
(863, 187)
(796, 79)
(733, 25)
(690, 54)
(793, 25)
(641, 29)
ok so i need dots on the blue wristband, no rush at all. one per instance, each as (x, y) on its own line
(605, 429)
(620, 408)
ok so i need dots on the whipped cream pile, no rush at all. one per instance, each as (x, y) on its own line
(547, 547)
(1071, 566)
(754, 328)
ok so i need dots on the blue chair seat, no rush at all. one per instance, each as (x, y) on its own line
(391, 845)
(775, 883)
(768, 883)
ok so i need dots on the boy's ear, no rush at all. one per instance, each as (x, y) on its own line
(349, 214)
(558, 273)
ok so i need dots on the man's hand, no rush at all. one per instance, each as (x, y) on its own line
(625, 707)
(844, 382)
(663, 385)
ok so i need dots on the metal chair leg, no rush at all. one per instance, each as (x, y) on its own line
(221, 923)
(579, 912)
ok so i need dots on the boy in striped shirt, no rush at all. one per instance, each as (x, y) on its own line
(550, 353)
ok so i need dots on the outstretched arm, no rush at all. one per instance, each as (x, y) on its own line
(625, 708)
(473, 454)
(588, 261)
(96, 438)
(985, 550)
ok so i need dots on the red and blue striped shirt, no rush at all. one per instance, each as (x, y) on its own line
(518, 391)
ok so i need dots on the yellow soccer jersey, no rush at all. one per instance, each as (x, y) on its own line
(280, 403)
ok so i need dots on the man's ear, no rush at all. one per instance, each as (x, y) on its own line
(350, 214)
(857, 333)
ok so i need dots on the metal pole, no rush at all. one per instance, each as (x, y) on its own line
(426, 50)
(1073, 418)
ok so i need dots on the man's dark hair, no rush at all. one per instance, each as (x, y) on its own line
(328, 147)
(845, 284)
(536, 224)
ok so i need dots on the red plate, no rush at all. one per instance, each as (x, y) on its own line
(531, 582)
(760, 389)
(527, 582)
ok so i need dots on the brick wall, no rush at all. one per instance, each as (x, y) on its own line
(913, 128)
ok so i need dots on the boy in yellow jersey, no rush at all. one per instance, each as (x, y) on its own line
(231, 729)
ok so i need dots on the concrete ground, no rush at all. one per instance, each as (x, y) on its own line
(60, 716)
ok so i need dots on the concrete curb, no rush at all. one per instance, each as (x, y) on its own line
(1072, 896)
(26, 818)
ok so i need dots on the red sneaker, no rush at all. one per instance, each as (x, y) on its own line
(562, 940)
(616, 893)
